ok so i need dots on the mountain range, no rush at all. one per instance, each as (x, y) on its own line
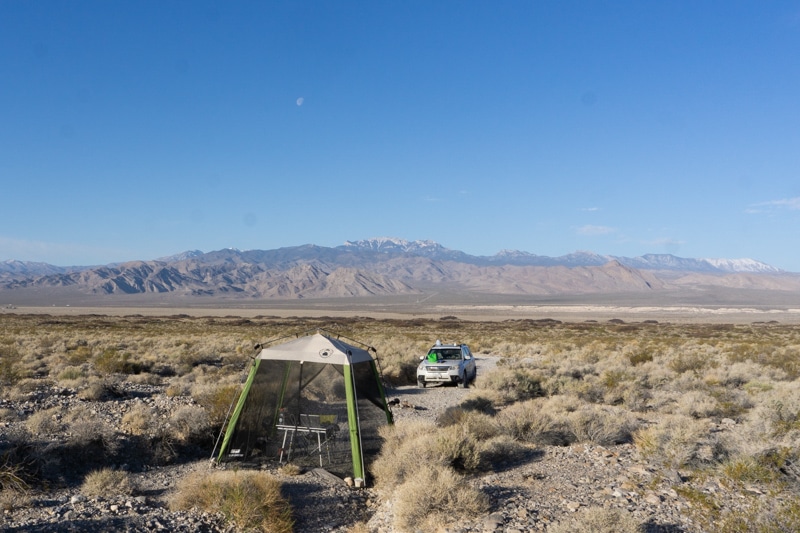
(387, 267)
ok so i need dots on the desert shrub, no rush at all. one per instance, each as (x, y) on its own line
(140, 420)
(534, 421)
(79, 355)
(177, 388)
(601, 425)
(455, 446)
(11, 368)
(748, 469)
(761, 517)
(98, 390)
(598, 520)
(11, 500)
(11, 478)
(429, 500)
(514, 384)
(20, 459)
(217, 400)
(107, 482)
(731, 403)
(111, 361)
(450, 416)
(784, 417)
(405, 447)
(190, 424)
(697, 404)
(46, 422)
(500, 451)
(72, 373)
(678, 441)
(479, 403)
(290, 469)
(89, 437)
(8, 415)
(252, 501)
(640, 357)
(688, 362)
(765, 466)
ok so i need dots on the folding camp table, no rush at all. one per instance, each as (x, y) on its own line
(309, 425)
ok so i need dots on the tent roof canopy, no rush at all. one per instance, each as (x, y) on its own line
(317, 348)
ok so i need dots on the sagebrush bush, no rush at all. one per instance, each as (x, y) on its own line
(217, 400)
(11, 368)
(535, 422)
(72, 373)
(430, 499)
(140, 420)
(513, 384)
(191, 424)
(111, 361)
(88, 434)
(399, 457)
(11, 500)
(251, 500)
(603, 425)
(46, 422)
(677, 441)
(107, 482)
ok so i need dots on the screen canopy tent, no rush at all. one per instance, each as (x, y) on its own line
(312, 401)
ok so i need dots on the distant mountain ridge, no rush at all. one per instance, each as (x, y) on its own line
(391, 266)
(435, 250)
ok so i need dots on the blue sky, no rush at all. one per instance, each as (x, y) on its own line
(134, 130)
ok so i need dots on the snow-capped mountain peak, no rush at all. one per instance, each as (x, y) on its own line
(394, 244)
(743, 265)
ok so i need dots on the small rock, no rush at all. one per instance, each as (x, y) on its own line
(652, 498)
(573, 506)
(492, 522)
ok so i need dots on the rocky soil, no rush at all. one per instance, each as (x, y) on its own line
(551, 485)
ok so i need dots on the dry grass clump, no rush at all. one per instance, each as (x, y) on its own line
(513, 384)
(191, 424)
(429, 500)
(251, 500)
(46, 422)
(603, 425)
(11, 478)
(761, 517)
(537, 422)
(73, 374)
(107, 482)
(679, 441)
(140, 420)
(12, 369)
(598, 520)
(89, 437)
(217, 400)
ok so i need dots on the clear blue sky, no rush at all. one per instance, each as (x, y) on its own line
(134, 130)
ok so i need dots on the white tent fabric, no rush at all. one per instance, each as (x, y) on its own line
(316, 348)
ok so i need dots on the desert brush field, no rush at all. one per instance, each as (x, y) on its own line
(108, 422)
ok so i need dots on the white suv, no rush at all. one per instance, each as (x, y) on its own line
(447, 363)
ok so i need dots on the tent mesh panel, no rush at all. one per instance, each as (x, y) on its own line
(298, 413)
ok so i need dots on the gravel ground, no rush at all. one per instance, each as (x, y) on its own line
(549, 486)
